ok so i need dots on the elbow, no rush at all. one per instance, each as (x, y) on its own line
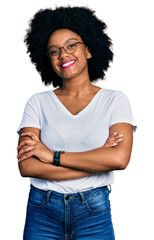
(122, 165)
(23, 174)
(122, 162)
(23, 170)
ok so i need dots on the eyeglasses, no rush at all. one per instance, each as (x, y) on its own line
(69, 47)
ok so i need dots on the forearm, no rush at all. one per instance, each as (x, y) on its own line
(99, 160)
(103, 159)
(37, 169)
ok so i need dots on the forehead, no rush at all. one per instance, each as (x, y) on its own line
(59, 37)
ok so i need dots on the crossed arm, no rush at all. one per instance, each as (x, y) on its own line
(36, 160)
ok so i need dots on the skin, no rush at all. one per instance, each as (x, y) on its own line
(36, 160)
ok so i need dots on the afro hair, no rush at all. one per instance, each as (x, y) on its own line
(80, 20)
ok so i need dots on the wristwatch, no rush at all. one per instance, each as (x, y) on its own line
(56, 159)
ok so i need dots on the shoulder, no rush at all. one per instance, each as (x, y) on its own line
(111, 94)
(38, 99)
(114, 92)
(40, 96)
(114, 98)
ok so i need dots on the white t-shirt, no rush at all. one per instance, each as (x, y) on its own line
(87, 130)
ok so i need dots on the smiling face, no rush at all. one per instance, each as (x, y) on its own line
(68, 65)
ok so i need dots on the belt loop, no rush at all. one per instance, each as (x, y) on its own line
(48, 196)
(82, 198)
(109, 188)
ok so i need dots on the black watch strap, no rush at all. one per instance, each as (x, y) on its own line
(56, 159)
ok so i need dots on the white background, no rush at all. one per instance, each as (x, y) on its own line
(130, 25)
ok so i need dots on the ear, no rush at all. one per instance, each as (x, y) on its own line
(88, 53)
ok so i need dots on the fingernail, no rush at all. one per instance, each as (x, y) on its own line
(120, 139)
(115, 133)
(115, 144)
(21, 134)
(120, 135)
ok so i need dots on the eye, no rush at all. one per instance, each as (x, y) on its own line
(53, 52)
(71, 45)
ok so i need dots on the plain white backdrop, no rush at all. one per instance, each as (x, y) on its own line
(130, 26)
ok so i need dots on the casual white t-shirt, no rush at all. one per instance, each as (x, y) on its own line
(87, 130)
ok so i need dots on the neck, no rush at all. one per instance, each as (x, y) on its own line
(77, 86)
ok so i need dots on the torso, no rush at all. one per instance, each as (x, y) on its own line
(76, 104)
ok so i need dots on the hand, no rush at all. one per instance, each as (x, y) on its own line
(34, 147)
(113, 140)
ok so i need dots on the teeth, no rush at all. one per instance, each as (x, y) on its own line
(67, 64)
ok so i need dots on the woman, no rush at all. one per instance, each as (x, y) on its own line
(72, 138)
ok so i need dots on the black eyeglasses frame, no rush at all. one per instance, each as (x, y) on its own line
(59, 49)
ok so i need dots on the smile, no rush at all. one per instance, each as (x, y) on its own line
(67, 64)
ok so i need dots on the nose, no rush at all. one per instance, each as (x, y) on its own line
(63, 53)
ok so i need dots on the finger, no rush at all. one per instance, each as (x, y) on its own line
(26, 156)
(30, 134)
(119, 136)
(114, 134)
(26, 142)
(111, 144)
(119, 140)
(112, 139)
(114, 144)
(115, 140)
(24, 150)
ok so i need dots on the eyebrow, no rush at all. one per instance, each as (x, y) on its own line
(64, 43)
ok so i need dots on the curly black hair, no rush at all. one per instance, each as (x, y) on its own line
(80, 20)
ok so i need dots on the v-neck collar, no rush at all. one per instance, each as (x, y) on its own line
(62, 106)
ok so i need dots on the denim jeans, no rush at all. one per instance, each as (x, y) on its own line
(78, 216)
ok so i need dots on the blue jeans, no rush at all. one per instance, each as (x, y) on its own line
(78, 216)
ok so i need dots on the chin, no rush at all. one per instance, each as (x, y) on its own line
(69, 76)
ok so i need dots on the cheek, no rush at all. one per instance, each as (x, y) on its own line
(83, 62)
(82, 57)
(55, 67)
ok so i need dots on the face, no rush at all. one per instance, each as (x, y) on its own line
(69, 65)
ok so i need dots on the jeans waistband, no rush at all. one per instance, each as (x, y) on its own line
(70, 196)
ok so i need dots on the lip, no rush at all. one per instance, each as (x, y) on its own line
(67, 64)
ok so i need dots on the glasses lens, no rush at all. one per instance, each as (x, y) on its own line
(53, 52)
(70, 47)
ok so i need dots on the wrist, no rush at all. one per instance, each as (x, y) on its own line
(51, 157)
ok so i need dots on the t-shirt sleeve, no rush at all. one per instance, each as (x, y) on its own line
(31, 116)
(121, 111)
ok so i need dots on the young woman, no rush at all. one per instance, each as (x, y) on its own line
(72, 138)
